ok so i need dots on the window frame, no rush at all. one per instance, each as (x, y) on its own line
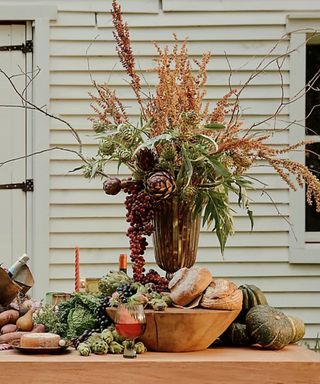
(301, 252)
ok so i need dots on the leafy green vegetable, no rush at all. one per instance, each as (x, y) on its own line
(80, 319)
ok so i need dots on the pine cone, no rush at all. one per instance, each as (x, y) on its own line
(112, 186)
(146, 159)
(160, 185)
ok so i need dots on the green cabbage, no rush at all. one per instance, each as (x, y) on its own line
(80, 319)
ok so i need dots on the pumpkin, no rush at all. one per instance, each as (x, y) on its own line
(236, 334)
(298, 328)
(252, 296)
(269, 327)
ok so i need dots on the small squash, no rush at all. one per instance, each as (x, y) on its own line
(269, 327)
(252, 296)
(298, 329)
(236, 334)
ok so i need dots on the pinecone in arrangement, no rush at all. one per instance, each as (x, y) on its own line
(160, 185)
(146, 159)
(112, 186)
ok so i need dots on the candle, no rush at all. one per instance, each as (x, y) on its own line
(76, 270)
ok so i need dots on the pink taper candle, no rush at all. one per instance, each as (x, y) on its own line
(76, 270)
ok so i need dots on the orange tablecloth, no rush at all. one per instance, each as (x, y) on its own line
(292, 365)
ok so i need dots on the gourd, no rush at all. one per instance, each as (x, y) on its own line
(269, 327)
(252, 296)
(298, 328)
(236, 334)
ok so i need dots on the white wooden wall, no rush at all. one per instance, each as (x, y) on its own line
(82, 47)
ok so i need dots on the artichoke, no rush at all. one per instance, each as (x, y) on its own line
(99, 347)
(84, 349)
(112, 186)
(158, 304)
(110, 282)
(146, 159)
(116, 337)
(107, 336)
(140, 347)
(160, 185)
(115, 347)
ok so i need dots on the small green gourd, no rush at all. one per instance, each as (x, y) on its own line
(236, 334)
(252, 296)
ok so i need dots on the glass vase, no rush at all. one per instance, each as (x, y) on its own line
(176, 235)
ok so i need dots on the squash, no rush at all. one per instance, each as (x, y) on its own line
(236, 334)
(252, 295)
(298, 329)
(269, 327)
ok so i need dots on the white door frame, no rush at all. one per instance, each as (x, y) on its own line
(38, 241)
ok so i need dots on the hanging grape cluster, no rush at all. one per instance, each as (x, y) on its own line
(141, 208)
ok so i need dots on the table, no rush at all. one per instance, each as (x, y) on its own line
(221, 365)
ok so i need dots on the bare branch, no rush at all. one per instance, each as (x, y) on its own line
(46, 113)
(279, 213)
(22, 157)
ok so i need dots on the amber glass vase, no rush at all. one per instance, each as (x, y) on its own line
(176, 235)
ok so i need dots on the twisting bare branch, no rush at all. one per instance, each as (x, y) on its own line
(39, 109)
(55, 148)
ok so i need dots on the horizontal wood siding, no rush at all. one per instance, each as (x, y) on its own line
(82, 49)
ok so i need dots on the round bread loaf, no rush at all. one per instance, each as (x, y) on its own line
(222, 294)
(40, 340)
(187, 284)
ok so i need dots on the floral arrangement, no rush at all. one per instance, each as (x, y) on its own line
(181, 147)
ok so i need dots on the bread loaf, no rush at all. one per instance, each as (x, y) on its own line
(187, 284)
(222, 294)
(40, 340)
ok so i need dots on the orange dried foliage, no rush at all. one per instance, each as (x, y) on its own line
(178, 104)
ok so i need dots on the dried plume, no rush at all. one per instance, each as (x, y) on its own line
(124, 50)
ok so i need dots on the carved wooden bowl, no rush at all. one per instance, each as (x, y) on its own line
(183, 330)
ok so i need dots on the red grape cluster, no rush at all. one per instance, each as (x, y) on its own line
(160, 284)
(141, 207)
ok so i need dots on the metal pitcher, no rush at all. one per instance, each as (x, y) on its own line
(9, 289)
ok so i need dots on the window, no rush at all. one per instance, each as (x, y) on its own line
(312, 131)
(304, 64)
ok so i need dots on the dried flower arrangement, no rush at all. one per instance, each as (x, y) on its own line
(180, 147)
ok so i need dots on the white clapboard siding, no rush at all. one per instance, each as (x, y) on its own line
(237, 33)
(218, 48)
(225, 6)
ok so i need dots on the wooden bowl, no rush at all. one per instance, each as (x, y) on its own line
(183, 330)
